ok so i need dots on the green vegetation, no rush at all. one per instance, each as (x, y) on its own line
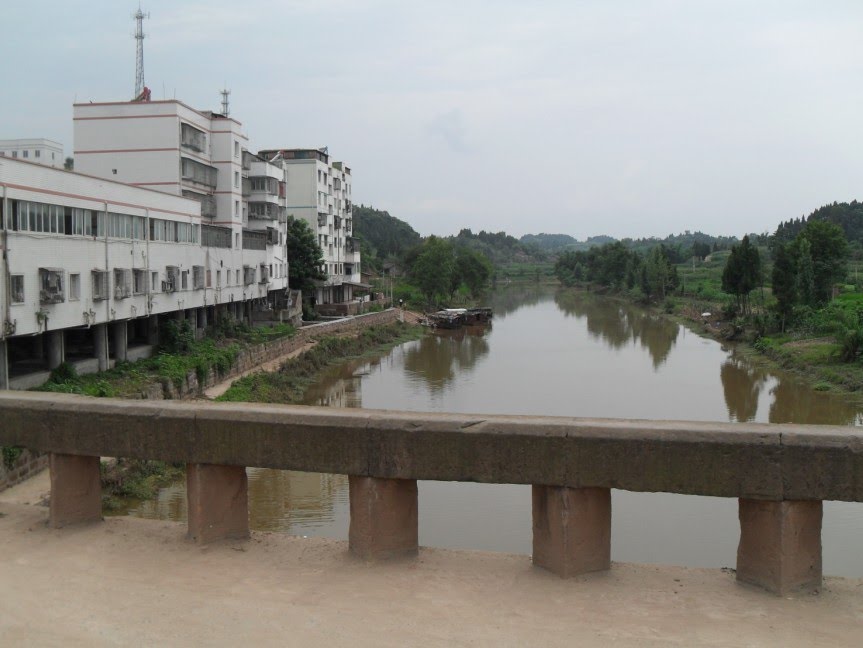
(136, 479)
(289, 383)
(305, 255)
(179, 355)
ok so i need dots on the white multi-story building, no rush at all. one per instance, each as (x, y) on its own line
(91, 262)
(201, 155)
(39, 150)
(319, 192)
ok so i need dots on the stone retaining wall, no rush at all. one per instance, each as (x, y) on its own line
(26, 465)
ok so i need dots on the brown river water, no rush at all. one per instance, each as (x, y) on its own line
(564, 354)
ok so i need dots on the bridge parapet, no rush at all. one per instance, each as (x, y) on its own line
(780, 473)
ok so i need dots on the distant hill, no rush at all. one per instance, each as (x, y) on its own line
(499, 247)
(848, 216)
(556, 243)
(382, 236)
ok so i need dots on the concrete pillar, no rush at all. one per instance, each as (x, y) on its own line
(76, 490)
(153, 330)
(4, 365)
(218, 502)
(202, 318)
(56, 349)
(192, 316)
(571, 529)
(384, 518)
(121, 340)
(100, 345)
(780, 545)
(38, 347)
(180, 314)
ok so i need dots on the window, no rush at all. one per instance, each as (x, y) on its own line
(154, 281)
(74, 287)
(122, 283)
(172, 279)
(218, 278)
(14, 154)
(248, 275)
(236, 179)
(192, 138)
(185, 280)
(37, 153)
(209, 278)
(100, 284)
(139, 284)
(238, 277)
(51, 286)
(236, 149)
(236, 241)
(194, 171)
(17, 289)
(26, 154)
(236, 208)
(197, 277)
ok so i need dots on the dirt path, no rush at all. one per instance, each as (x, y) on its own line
(133, 582)
(271, 365)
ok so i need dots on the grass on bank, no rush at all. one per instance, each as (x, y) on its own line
(179, 354)
(289, 383)
(135, 479)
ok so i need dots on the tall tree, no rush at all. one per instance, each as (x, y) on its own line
(742, 272)
(784, 280)
(304, 256)
(433, 269)
(829, 249)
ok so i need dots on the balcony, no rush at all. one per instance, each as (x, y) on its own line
(193, 139)
(198, 173)
(264, 211)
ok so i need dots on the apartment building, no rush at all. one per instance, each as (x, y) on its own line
(90, 266)
(167, 215)
(318, 190)
(39, 150)
(201, 155)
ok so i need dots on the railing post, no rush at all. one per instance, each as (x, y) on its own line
(571, 529)
(384, 517)
(76, 490)
(218, 502)
(780, 545)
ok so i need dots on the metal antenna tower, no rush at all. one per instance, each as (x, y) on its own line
(225, 94)
(139, 54)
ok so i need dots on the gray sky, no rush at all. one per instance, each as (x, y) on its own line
(636, 118)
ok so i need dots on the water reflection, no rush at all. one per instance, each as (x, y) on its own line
(278, 500)
(741, 384)
(619, 324)
(509, 299)
(439, 358)
(561, 354)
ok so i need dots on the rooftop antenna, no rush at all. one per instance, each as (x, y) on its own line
(225, 94)
(139, 54)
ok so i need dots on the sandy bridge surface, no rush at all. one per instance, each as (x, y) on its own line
(138, 582)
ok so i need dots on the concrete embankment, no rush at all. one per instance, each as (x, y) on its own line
(128, 581)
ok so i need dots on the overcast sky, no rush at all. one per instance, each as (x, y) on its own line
(581, 117)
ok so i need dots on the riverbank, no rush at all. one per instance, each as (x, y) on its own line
(128, 581)
(288, 384)
(813, 359)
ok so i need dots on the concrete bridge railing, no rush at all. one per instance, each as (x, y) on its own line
(780, 473)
